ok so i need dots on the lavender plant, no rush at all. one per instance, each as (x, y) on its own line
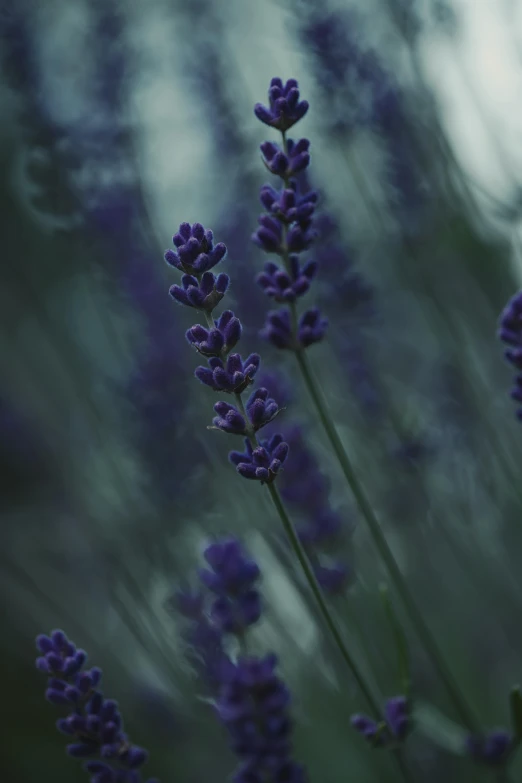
(286, 231)
(195, 255)
(249, 698)
(94, 723)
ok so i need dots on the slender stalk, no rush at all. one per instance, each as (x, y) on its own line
(384, 550)
(316, 590)
(304, 562)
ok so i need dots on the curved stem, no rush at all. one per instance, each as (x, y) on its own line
(318, 595)
(384, 550)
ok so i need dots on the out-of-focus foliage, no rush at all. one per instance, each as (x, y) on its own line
(122, 120)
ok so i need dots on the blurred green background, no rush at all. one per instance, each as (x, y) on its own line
(120, 121)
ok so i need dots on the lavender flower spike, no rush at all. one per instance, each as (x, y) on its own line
(202, 294)
(232, 577)
(253, 705)
(262, 463)
(94, 723)
(260, 409)
(285, 108)
(510, 332)
(232, 376)
(286, 230)
(196, 252)
(200, 289)
(389, 732)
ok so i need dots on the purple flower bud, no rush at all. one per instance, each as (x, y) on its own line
(283, 287)
(232, 376)
(492, 749)
(229, 419)
(201, 295)
(312, 327)
(95, 723)
(263, 463)
(218, 341)
(196, 252)
(284, 108)
(372, 731)
(261, 409)
(384, 733)
(397, 712)
(278, 329)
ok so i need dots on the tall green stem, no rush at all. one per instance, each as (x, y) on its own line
(384, 550)
(304, 562)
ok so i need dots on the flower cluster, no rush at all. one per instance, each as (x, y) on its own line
(228, 372)
(510, 332)
(392, 730)
(286, 228)
(232, 577)
(228, 604)
(250, 700)
(285, 107)
(94, 723)
(260, 410)
(492, 749)
(253, 705)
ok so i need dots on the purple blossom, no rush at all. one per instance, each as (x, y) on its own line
(492, 749)
(286, 164)
(202, 294)
(392, 730)
(269, 236)
(261, 463)
(219, 340)
(278, 329)
(232, 577)
(253, 706)
(286, 229)
(312, 327)
(94, 724)
(285, 108)
(288, 205)
(510, 332)
(285, 287)
(260, 408)
(196, 252)
(233, 375)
